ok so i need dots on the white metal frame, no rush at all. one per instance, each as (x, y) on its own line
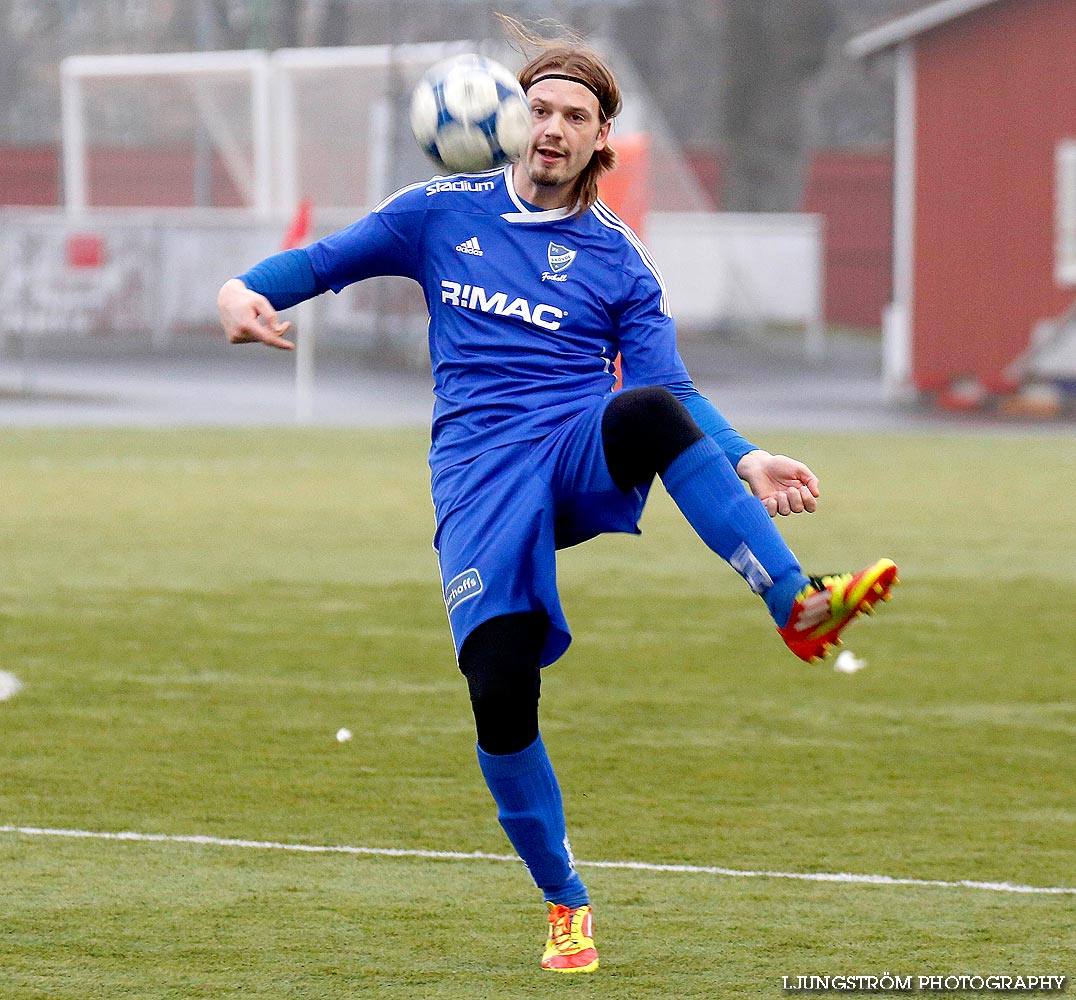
(1065, 205)
(286, 64)
(897, 323)
(254, 65)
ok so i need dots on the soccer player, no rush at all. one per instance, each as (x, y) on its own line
(533, 288)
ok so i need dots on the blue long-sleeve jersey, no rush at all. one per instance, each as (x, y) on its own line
(528, 308)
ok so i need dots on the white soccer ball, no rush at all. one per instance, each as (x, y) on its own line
(848, 663)
(469, 113)
(10, 685)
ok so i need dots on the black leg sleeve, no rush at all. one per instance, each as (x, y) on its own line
(500, 660)
(643, 430)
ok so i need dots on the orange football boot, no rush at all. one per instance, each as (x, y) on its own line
(570, 947)
(828, 603)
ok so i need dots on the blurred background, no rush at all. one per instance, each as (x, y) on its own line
(863, 204)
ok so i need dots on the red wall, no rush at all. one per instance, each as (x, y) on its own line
(135, 177)
(993, 97)
(30, 176)
(116, 178)
(854, 192)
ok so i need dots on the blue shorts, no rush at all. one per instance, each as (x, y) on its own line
(501, 518)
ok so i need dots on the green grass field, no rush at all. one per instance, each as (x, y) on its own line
(194, 614)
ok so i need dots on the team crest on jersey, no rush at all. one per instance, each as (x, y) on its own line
(560, 259)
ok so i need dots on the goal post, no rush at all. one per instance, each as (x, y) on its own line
(330, 124)
(242, 141)
(342, 141)
(340, 121)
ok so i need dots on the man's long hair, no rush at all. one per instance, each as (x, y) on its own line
(569, 55)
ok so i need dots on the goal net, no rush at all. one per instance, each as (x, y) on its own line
(190, 165)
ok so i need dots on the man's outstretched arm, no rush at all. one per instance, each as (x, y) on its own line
(248, 304)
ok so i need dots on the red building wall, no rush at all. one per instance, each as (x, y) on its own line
(853, 191)
(993, 98)
(29, 176)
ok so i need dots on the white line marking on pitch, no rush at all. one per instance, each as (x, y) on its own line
(395, 852)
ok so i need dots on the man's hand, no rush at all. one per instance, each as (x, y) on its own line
(249, 318)
(784, 485)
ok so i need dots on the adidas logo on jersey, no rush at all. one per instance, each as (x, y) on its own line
(471, 246)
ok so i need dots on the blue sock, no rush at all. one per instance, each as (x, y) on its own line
(530, 809)
(734, 524)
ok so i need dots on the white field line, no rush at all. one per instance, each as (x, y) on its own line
(393, 852)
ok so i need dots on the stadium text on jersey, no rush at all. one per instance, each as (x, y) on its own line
(461, 185)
